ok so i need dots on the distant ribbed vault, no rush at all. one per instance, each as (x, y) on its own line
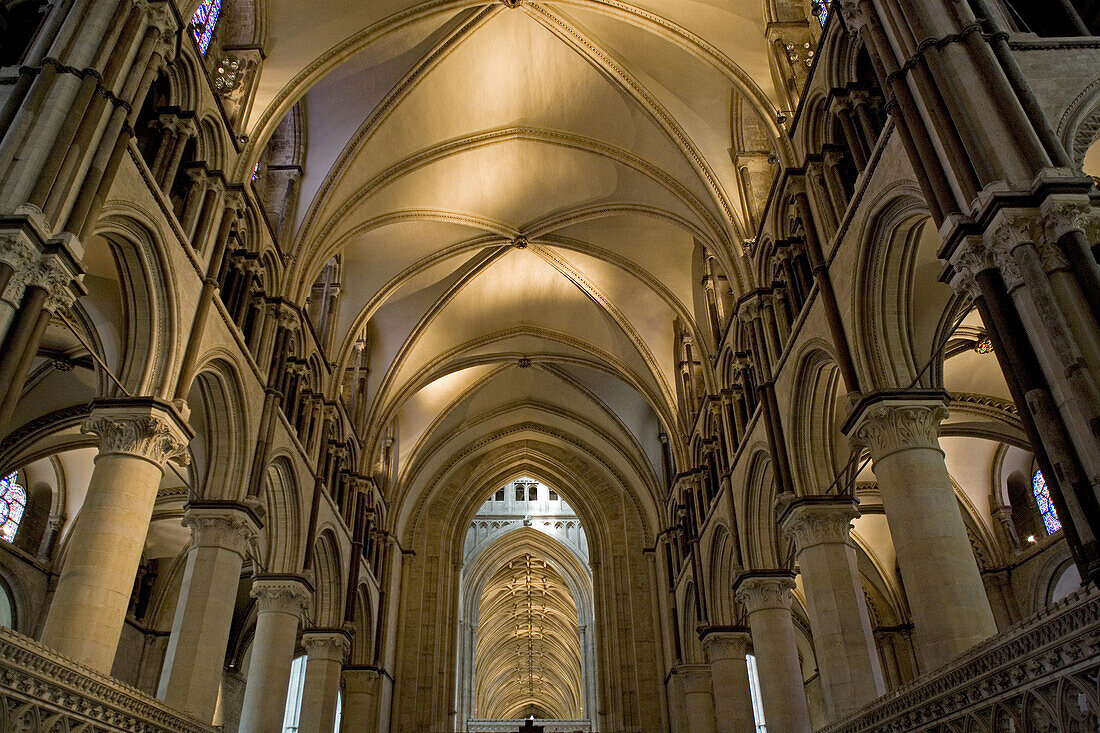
(528, 653)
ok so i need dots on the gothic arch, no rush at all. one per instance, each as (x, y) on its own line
(897, 269)
(221, 426)
(328, 570)
(282, 534)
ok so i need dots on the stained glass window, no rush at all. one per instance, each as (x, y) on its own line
(203, 22)
(1046, 506)
(821, 10)
(13, 500)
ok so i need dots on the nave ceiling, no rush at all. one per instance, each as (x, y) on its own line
(511, 187)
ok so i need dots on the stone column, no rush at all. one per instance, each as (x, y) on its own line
(847, 658)
(729, 674)
(950, 608)
(220, 536)
(360, 699)
(698, 697)
(327, 649)
(136, 439)
(766, 598)
(281, 602)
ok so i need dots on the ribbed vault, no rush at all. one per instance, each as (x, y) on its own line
(528, 653)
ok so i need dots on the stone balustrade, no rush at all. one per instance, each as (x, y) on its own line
(1039, 675)
(511, 726)
(40, 690)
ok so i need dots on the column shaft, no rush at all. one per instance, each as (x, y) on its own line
(766, 598)
(948, 600)
(847, 658)
(93, 593)
(322, 689)
(729, 674)
(280, 601)
(195, 658)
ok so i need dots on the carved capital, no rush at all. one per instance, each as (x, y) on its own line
(808, 522)
(281, 594)
(161, 18)
(895, 425)
(51, 266)
(1012, 228)
(723, 645)
(145, 429)
(332, 645)
(695, 679)
(764, 591)
(229, 526)
(971, 257)
(285, 315)
(1069, 213)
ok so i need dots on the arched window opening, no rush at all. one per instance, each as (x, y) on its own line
(294, 694)
(1041, 492)
(754, 693)
(1067, 581)
(7, 608)
(13, 501)
(203, 22)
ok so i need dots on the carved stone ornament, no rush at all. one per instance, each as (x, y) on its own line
(228, 528)
(1023, 668)
(970, 258)
(281, 595)
(330, 645)
(42, 686)
(695, 678)
(889, 427)
(142, 433)
(1012, 229)
(32, 268)
(765, 592)
(812, 524)
(1065, 214)
(719, 645)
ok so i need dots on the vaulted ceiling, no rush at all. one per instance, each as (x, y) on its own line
(523, 195)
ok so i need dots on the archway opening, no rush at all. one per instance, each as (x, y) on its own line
(526, 647)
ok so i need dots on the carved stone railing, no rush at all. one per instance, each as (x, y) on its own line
(1039, 676)
(511, 726)
(42, 691)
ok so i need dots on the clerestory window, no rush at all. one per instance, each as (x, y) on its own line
(203, 22)
(1041, 492)
(13, 501)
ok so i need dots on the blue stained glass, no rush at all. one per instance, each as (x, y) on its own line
(1046, 506)
(821, 10)
(13, 500)
(203, 22)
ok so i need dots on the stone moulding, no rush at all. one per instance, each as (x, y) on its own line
(40, 689)
(1009, 676)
